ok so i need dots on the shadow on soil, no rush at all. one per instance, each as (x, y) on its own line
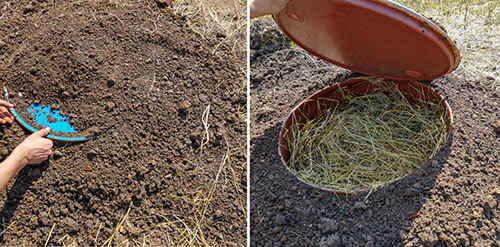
(26, 177)
(23, 181)
(285, 212)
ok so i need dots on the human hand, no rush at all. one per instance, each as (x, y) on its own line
(266, 7)
(34, 149)
(5, 115)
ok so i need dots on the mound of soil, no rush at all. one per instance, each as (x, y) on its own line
(135, 75)
(452, 201)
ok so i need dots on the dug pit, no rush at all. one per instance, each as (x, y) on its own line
(361, 134)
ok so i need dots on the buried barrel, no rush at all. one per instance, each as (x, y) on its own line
(334, 98)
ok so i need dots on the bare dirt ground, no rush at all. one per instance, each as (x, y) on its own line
(168, 166)
(452, 201)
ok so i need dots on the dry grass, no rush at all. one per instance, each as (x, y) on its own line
(475, 26)
(176, 228)
(367, 141)
(221, 20)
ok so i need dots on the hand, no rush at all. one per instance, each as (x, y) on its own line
(266, 7)
(5, 115)
(34, 149)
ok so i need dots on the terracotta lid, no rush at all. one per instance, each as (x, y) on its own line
(373, 37)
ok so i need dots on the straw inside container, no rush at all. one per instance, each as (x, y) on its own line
(361, 139)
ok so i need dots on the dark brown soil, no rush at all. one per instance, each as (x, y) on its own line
(452, 201)
(136, 75)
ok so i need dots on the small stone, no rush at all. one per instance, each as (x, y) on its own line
(29, 8)
(283, 239)
(276, 230)
(92, 131)
(89, 224)
(91, 153)
(64, 211)
(120, 238)
(434, 163)
(294, 188)
(428, 239)
(218, 213)
(4, 152)
(328, 225)
(330, 241)
(44, 221)
(496, 126)
(495, 191)
(402, 234)
(109, 106)
(388, 201)
(203, 97)
(489, 204)
(417, 186)
(134, 231)
(57, 154)
(70, 223)
(55, 212)
(184, 105)
(370, 243)
(164, 2)
(110, 83)
(280, 220)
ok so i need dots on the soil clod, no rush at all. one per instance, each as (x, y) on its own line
(496, 126)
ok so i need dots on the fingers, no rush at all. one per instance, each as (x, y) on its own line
(4, 120)
(50, 144)
(39, 159)
(41, 155)
(5, 103)
(5, 116)
(43, 132)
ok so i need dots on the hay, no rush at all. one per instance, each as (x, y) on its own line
(368, 141)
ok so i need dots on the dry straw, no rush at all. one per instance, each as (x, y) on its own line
(367, 141)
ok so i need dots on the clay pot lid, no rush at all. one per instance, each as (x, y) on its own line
(373, 37)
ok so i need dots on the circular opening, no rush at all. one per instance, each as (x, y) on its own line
(361, 134)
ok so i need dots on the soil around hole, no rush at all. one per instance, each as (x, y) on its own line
(108, 68)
